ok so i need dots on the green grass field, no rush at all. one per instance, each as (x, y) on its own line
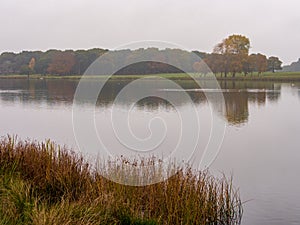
(267, 76)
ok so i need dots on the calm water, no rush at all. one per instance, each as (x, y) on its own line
(261, 146)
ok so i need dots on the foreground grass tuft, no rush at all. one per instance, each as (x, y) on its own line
(42, 183)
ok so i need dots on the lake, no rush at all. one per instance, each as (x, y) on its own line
(260, 148)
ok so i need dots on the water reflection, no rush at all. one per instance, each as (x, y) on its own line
(37, 91)
(237, 94)
(263, 156)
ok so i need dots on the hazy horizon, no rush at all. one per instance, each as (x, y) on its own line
(33, 25)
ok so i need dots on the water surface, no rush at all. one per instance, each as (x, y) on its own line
(260, 147)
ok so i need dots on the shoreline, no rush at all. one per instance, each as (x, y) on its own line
(280, 76)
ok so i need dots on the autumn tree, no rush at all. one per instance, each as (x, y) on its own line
(234, 44)
(274, 64)
(31, 64)
(235, 50)
(28, 69)
(260, 62)
(229, 56)
(236, 63)
(216, 63)
(251, 61)
(246, 65)
(62, 63)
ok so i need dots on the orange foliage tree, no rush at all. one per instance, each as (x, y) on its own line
(232, 56)
(235, 50)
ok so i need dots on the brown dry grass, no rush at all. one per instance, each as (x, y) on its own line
(42, 183)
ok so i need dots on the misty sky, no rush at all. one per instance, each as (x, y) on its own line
(272, 26)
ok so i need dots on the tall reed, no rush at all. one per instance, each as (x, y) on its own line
(43, 183)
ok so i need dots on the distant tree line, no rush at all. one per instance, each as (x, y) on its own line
(231, 56)
(54, 62)
(294, 67)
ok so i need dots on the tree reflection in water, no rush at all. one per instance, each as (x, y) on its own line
(237, 94)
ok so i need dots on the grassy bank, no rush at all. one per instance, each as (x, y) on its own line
(41, 183)
(77, 77)
(268, 76)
